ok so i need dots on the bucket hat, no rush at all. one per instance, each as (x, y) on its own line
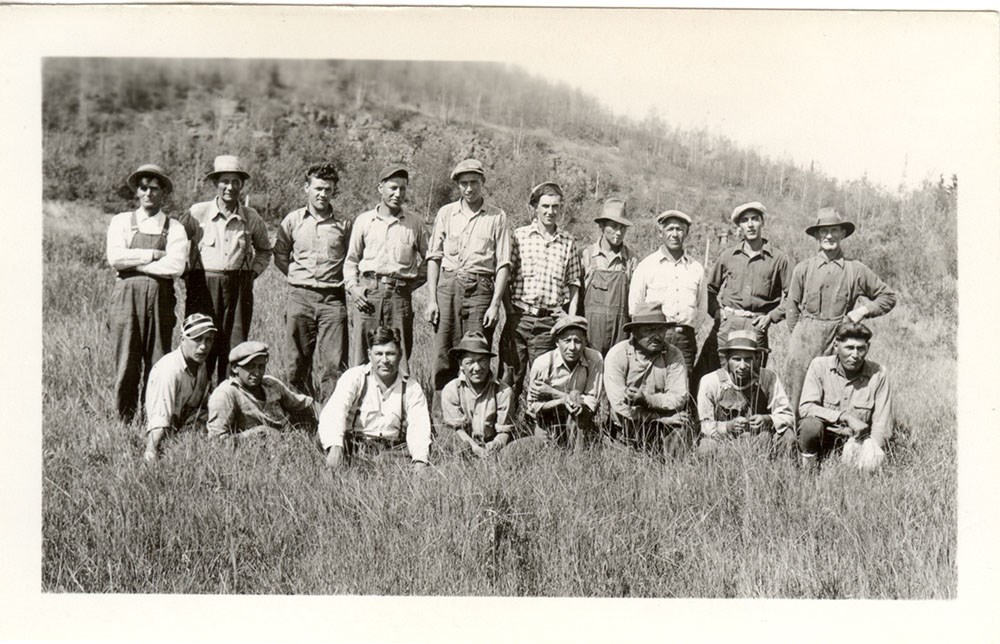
(471, 342)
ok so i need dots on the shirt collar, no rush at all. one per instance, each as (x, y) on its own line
(765, 249)
(141, 214)
(557, 359)
(540, 230)
(839, 260)
(382, 212)
(839, 369)
(464, 207)
(400, 377)
(307, 212)
(599, 250)
(666, 257)
(219, 210)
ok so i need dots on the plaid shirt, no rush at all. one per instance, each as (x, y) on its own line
(543, 267)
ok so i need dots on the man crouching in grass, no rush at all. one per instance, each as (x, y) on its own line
(564, 386)
(376, 410)
(742, 400)
(178, 383)
(846, 401)
(249, 403)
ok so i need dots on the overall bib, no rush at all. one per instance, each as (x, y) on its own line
(605, 304)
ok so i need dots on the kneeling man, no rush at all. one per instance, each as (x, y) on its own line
(564, 386)
(178, 383)
(647, 384)
(375, 408)
(742, 399)
(846, 401)
(474, 405)
(249, 403)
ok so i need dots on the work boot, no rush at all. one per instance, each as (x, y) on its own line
(809, 462)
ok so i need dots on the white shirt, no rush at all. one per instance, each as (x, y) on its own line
(378, 414)
(678, 286)
(174, 394)
(121, 257)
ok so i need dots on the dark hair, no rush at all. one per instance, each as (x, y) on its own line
(547, 189)
(383, 335)
(847, 330)
(324, 171)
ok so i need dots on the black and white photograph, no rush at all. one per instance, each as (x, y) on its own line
(396, 323)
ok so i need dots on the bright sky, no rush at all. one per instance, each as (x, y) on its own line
(875, 92)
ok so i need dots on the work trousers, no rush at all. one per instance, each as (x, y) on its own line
(524, 338)
(230, 294)
(316, 325)
(810, 339)
(670, 437)
(565, 430)
(196, 299)
(683, 338)
(463, 299)
(392, 308)
(142, 322)
(815, 438)
(769, 443)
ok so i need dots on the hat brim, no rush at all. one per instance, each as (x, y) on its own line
(456, 174)
(618, 220)
(757, 350)
(661, 220)
(736, 216)
(847, 225)
(215, 173)
(455, 352)
(133, 179)
(243, 361)
(627, 328)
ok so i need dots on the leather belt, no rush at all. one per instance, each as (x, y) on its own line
(388, 280)
(739, 312)
(535, 311)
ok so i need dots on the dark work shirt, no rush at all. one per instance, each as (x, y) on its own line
(755, 284)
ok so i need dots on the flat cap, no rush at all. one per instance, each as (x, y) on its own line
(753, 205)
(673, 214)
(568, 322)
(469, 165)
(536, 192)
(393, 170)
(244, 352)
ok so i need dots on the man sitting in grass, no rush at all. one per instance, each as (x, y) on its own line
(743, 400)
(375, 409)
(249, 403)
(178, 383)
(474, 406)
(846, 401)
(564, 386)
(647, 384)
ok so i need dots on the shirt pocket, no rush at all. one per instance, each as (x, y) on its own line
(452, 246)
(333, 243)
(864, 410)
(402, 247)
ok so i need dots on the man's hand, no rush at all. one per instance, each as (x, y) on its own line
(762, 322)
(739, 425)
(158, 254)
(857, 314)
(480, 452)
(419, 467)
(761, 423)
(498, 443)
(634, 396)
(335, 457)
(573, 402)
(855, 424)
(432, 312)
(492, 315)
(359, 293)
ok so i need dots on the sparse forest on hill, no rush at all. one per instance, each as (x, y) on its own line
(262, 519)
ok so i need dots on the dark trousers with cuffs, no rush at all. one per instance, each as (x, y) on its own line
(524, 338)
(463, 299)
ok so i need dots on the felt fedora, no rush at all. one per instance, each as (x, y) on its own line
(614, 210)
(227, 163)
(830, 217)
(149, 170)
(471, 342)
(647, 313)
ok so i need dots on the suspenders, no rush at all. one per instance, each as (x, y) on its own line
(403, 423)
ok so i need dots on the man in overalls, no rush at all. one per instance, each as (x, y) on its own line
(147, 252)
(743, 400)
(468, 262)
(607, 267)
(824, 292)
(231, 250)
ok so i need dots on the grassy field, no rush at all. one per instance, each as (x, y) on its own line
(268, 517)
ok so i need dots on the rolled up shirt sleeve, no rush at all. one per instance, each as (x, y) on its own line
(535, 378)
(333, 418)
(161, 402)
(221, 412)
(882, 419)
(781, 409)
(594, 385)
(811, 399)
(502, 243)
(418, 432)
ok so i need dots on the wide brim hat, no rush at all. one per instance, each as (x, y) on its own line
(647, 314)
(149, 170)
(244, 352)
(614, 209)
(469, 165)
(831, 217)
(536, 192)
(568, 322)
(745, 340)
(471, 342)
(393, 170)
(673, 214)
(747, 207)
(227, 163)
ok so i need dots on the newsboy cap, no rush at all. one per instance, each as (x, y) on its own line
(469, 165)
(197, 325)
(227, 163)
(244, 352)
(673, 214)
(752, 206)
(536, 192)
(149, 170)
(393, 170)
(568, 322)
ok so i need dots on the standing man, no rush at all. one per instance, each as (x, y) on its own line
(233, 249)
(670, 278)
(745, 288)
(647, 386)
(744, 400)
(310, 250)
(467, 268)
(607, 266)
(147, 252)
(545, 277)
(824, 292)
(385, 263)
(846, 401)
(178, 384)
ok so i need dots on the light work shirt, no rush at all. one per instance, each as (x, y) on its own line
(828, 391)
(123, 258)
(232, 408)
(766, 385)
(663, 379)
(543, 266)
(678, 286)
(385, 245)
(482, 415)
(230, 241)
(471, 242)
(377, 414)
(586, 377)
(174, 393)
(310, 250)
